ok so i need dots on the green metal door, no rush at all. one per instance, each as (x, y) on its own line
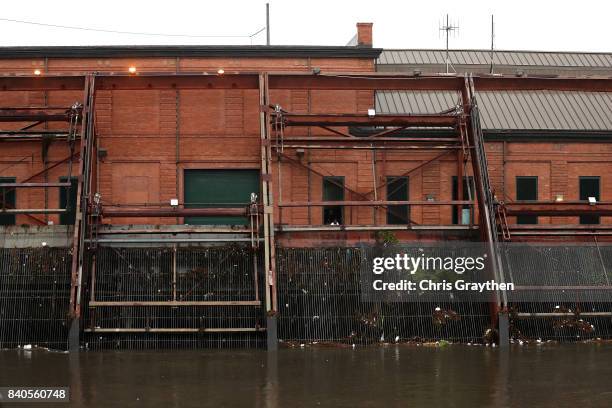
(219, 188)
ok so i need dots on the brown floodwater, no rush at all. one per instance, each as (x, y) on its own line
(548, 375)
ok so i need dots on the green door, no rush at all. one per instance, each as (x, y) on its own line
(219, 188)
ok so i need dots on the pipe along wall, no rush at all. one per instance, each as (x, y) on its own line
(319, 301)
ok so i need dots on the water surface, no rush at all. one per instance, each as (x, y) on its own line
(573, 375)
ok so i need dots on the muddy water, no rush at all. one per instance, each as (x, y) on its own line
(455, 376)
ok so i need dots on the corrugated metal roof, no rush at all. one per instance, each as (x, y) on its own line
(513, 110)
(483, 57)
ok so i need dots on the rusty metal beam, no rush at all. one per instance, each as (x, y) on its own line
(293, 119)
(292, 80)
(34, 114)
(558, 208)
(370, 203)
(177, 303)
(173, 212)
(34, 185)
(355, 139)
(399, 146)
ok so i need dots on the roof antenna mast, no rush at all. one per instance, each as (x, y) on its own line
(448, 30)
(267, 23)
(492, 43)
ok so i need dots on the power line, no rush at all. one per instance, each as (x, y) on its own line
(101, 30)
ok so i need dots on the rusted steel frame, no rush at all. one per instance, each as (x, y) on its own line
(175, 330)
(33, 114)
(267, 196)
(292, 80)
(558, 209)
(319, 228)
(387, 132)
(32, 211)
(78, 244)
(34, 185)
(342, 186)
(400, 147)
(371, 203)
(420, 166)
(171, 212)
(424, 120)
(488, 231)
(31, 125)
(329, 129)
(368, 140)
(175, 303)
(559, 227)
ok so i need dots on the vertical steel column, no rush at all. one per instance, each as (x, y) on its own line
(488, 227)
(78, 241)
(268, 214)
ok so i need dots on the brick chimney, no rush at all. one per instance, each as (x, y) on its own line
(364, 34)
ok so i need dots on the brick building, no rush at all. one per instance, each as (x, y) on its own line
(154, 156)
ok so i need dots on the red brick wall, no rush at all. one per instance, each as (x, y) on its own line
(152, 136)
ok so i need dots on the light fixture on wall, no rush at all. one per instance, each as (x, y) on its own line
(220, 71)
(132, 70)
(559, 198)
(37, 72)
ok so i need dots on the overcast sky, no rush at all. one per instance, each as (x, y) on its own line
(519, 24)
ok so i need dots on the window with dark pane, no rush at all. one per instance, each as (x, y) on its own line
(7, 201)
(397, 190)
(333, 190)
(589, 187)
(68, 199)
(467, 211)
(527, 190)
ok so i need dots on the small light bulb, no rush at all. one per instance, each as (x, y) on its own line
(220, 71)
(132, 70)
(37, 72)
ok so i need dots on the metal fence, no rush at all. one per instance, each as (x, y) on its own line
(34, 297)
(181, 274)
(320, 300)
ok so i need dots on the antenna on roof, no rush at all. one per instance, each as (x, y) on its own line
(267, 23)
(492, 43)
(448, 29)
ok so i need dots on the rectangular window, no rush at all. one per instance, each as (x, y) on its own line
(333, 190)
(68, 200)
(527, 190)
(589, 187)
(7, 201)
(219, 189)
(467, 211)
(397, 190)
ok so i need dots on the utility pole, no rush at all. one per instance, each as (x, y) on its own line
(267, 23)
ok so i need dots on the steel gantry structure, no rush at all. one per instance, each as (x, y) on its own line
(466, 143)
